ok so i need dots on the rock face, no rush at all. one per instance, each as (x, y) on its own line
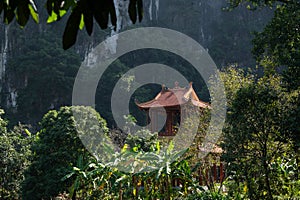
(226, 36)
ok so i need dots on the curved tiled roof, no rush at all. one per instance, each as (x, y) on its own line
(174, 97)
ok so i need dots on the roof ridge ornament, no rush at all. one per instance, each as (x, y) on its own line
(164, 88)
(176, 85)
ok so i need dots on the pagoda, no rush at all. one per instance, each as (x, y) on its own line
(170, 103)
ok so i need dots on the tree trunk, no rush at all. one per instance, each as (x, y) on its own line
(267, 180)
(74, 195)
(265, 164)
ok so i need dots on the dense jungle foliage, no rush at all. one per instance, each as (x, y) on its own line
(42, 156)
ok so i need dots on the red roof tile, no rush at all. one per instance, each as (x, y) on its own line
(174, 97)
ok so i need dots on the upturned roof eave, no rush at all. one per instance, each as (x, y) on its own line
(189, 95)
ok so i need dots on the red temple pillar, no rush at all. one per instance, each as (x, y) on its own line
(221, 172)
(214, 172)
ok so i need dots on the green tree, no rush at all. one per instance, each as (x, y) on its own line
(43, 74)
(254, 138)
(276, 49)
(14, 159)
(279, 44)
(143, 140)
(3, 123)
(234, 79)
(57, 151)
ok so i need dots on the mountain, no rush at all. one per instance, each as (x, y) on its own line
(37, 75)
